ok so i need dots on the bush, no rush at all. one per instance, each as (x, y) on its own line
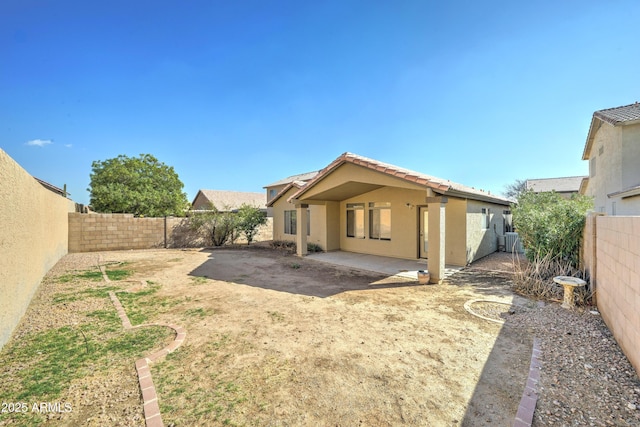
(250, 218)
(535, 279)
(292, 247)
(219, 226)
(551, 226)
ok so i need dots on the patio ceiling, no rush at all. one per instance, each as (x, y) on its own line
(342, 192)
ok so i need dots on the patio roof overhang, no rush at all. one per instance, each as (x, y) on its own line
(340, 192)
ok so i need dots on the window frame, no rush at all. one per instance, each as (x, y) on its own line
(356, 212)
(379, 213)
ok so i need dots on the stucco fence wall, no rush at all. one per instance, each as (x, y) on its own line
(33, 237)
(611, 253)
(110, 232)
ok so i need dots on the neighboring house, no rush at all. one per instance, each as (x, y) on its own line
(362, 205)
(227, 200)
(274, 188)
(565, 186)
(613, 152)
(59, 191)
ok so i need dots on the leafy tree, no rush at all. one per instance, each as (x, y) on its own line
(141, 185)
(515, 189)
(249, 219)
(550, 225)
(219, 226)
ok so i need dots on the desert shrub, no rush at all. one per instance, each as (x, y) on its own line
(291, 246)
(283, 245)
(535, 279)
(551, 226)
(219, 226)
(313, 247)
(249, 219)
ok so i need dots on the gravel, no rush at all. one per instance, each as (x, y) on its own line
(585, 380)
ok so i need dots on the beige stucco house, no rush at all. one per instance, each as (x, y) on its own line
(613, 152)
(362, 205)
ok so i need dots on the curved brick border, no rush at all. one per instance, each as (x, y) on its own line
(151, 407)
(527, 406)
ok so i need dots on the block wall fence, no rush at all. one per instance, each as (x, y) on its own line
(611, 255)
(112, 232)
(33, 237)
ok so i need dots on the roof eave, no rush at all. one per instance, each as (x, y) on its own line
(474, 196)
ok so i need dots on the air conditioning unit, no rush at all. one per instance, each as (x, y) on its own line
(512, 242)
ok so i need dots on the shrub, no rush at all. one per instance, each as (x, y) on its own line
(550, 225)
(250, 218)
(219, 226)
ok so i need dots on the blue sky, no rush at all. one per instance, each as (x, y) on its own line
(238, 94)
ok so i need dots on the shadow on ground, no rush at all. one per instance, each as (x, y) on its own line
(498, 391)
(268, 269)
(504, 375)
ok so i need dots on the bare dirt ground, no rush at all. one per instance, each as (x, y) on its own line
(275, 340)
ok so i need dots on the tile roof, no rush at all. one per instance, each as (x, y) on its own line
(439, 185)
(224, 199)
(617, 115)
(300, 177)
(560, 185)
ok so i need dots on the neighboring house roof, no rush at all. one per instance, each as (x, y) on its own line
(52, 187)
(568, 184)
(296, 184)
(439, 185)
(223, 199)
(625, 115)
(300, 177)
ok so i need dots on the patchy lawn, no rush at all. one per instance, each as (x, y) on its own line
(271, 340)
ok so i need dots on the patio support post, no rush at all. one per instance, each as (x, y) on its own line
(301, 229)
(437, 237)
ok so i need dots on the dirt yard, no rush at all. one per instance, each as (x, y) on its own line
(275, 340)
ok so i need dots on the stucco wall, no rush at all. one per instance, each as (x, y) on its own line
(606, 150)
(318, 229)
(482, 241)
(404, 223)
(32, 239)
(617, 272)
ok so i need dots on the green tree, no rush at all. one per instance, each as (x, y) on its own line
(551, 225)
(219, 225)
(250, 218)
(141, 185)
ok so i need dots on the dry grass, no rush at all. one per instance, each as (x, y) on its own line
(535, 279)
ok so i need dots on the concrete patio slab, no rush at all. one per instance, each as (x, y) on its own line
(406, 268)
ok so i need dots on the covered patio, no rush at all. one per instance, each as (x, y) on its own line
(406, 268)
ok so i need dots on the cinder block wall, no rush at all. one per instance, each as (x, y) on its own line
(618, 280)
(33, 237)
(111, 232)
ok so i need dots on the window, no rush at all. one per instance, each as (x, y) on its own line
(272, 193)
(486, 221)
(380, 220)
(613, 208)
(290, 222)
(355, 220)
(592, 167)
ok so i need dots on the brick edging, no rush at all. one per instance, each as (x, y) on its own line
(151, 407)
(524, 416)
